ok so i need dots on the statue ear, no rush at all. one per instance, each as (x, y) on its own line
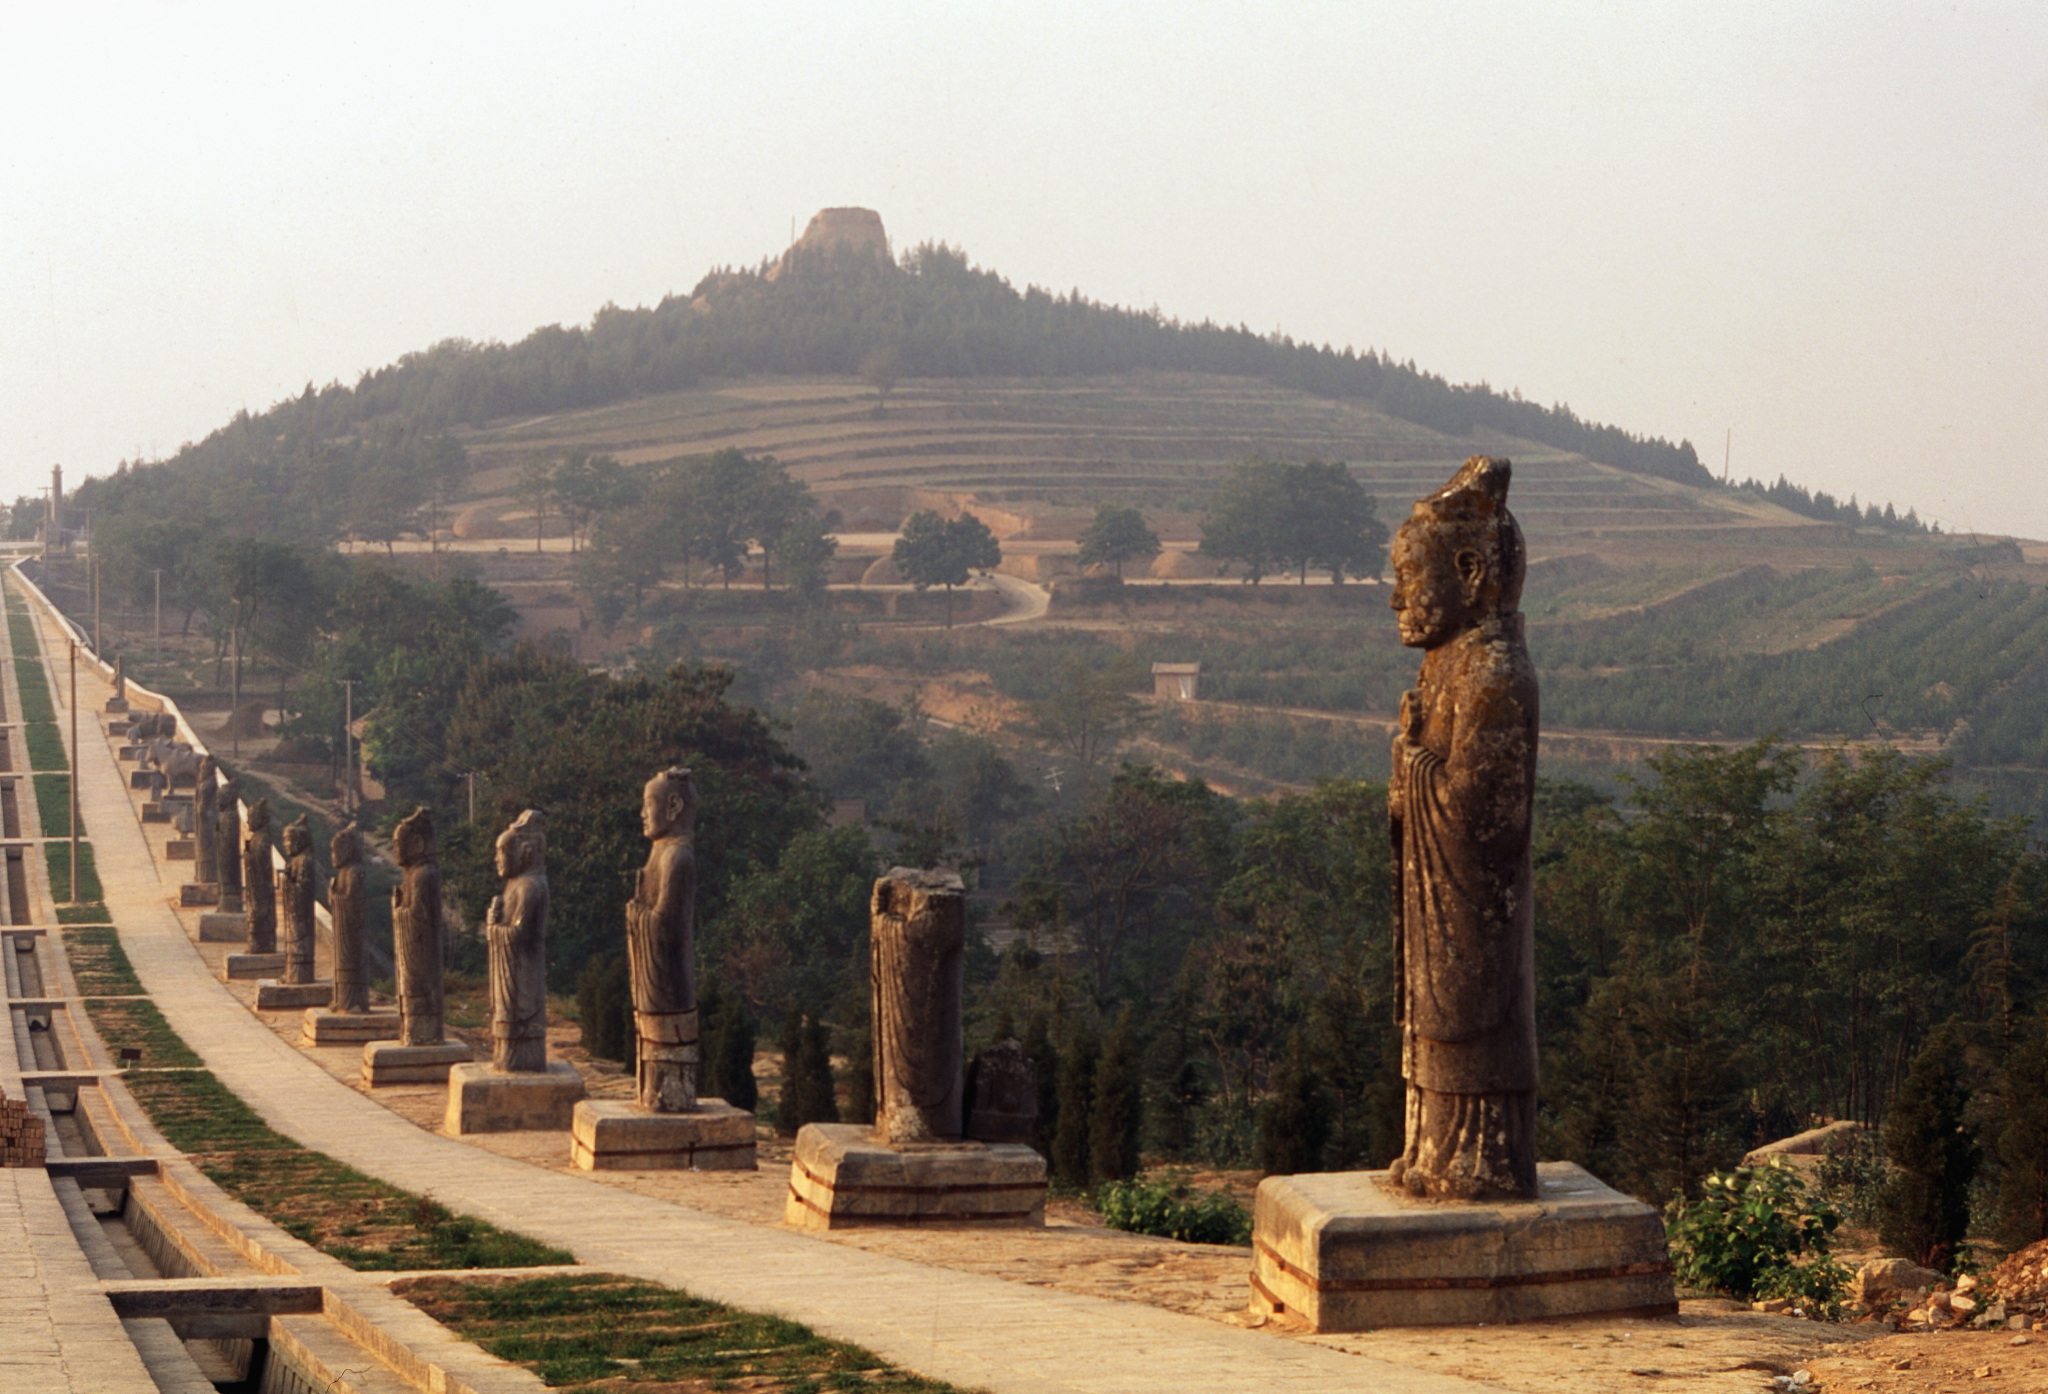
(1472, 571)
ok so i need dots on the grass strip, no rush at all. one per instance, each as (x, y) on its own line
(366, 1223)
(83, 914)
(57, 856)
(599, 1331)
(136, 1024)
(29, 680)
(99, 963)
(45, 746)
(53, 805)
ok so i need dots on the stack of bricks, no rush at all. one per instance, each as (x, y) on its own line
(21, 1135)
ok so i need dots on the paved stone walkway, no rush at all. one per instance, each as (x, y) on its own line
(973, 1330)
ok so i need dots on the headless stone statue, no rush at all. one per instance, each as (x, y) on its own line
(918, 944)
(416, 930)
(206, 823)
(347, 902)
(516, 928)
(121, 679)
(661, 946)
(227, 842)
(259, 880)
(1464, 773)
(296, 893)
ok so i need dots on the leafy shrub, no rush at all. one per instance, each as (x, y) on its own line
(1169, 1209)
(1747, 1232)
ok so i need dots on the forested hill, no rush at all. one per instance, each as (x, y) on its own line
(933, 314)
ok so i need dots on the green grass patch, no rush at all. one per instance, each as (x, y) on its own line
(45, 746)
(57, 855)
(601, 1331)
(83, 914)
(136, 1024)
(366, 1223)
(53, 805)
(100, 964)
(33, 685)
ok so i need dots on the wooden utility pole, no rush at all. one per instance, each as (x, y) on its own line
(348, 737)
(235, 688)
(158, 572)
(98, 646)
(74, 772)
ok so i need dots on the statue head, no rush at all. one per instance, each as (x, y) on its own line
(259, 816)
(298, 836)
(523, 845)
(669, 806)
(1458, 559)
(347, 847)
(413, 838)
(209, 773)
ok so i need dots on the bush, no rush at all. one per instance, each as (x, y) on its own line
(1169, 1209)
(1747, 1232)
(1853, 1175)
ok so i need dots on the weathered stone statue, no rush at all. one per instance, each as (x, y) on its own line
(661, 945)
(416, 930)
(121, 681)
(516, 928)
(347, 904)
(296, 893)
(918, 926)
(205, 823)
(259, 880)
(227, 841)
(1464, 773)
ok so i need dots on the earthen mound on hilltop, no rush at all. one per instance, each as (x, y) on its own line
(837, 232)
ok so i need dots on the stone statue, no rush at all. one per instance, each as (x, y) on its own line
(1459, 804)
(918, 937)
(259, 880)
(416, 930)
(517, 928)
(296, 891)
(227, 842)
(121, 678)
(347, 903)
(205, 823)
(661, 945)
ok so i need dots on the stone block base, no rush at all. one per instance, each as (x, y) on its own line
(194, 893)
(1342, 1251)
(117, 705)
(223, 927)
(480, 1100)
(841, 1178)
(181, 849)
(253, 965)
(140, 779)
(614, 1135)
(127, 752)
(274, 996)
(388, 1062)
(325, 1027)
(155, 813)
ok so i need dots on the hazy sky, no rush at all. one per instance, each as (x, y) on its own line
(1824, 227)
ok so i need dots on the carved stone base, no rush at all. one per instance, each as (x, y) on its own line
(128, 752)
(841, 1178)
(118, 705)
(480, 1100)
(274, 996)
(223, 927)
(155, 813)
(325, 1027)
(614, 1135)
(181, 849)
(140, 779)
(1342, 1251)
(253, 966)
(388, 1062)
(201, 893)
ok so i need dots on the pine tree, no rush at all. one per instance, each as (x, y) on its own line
(728, 1042)
(807, 1090)
(860, 1076)
(1296, 1122)
(1117, 1111)
(1075, 1109)
(1927, 1203)
(604, 1009)
(1045, 1060)
(2023, 1142)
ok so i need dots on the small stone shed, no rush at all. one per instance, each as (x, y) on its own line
(1177, 682)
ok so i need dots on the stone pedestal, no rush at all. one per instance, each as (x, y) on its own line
(223, 927)
(253, 966)
(325, 1027)
(274, 996)
(181, 849)
(155, 813)
(118, 706)
(481, 1100)
(197, 893)
(841, 1178)
(388, 1062)
(1343, 1251)
(614, 1135)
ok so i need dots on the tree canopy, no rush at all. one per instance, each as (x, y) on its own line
(937, 551)
(1270, 515)
(1117, 535)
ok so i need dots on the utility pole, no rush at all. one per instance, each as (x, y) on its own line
(470, 775)
(348, 736)
(74, 772)
(98, 647)
(158, 572)
(235, 686)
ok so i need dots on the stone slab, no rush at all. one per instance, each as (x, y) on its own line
(274, 996)
(181, 849)
(140, 779)
(1343, 1251)
(155, 813)
(222, 927)
(119, 707)
(614, 1135)
(480, 1100)
(388, 1062)
(253, 965)
(129, 752)
(200, 893)
(840, 1177)
(326, 1027)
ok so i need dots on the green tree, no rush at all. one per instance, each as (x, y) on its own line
(807, 1089)
(2023, 1141)
(1088, 708)
(1116, 536)
(1268, 515)
(1072, 1140)
(1933, 1156)
(1116, 1113)
(1295, 1123)
(933, 551)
